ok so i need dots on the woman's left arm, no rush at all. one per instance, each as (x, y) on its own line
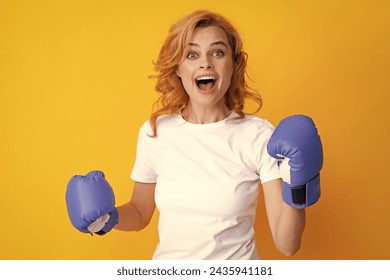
(286, 223)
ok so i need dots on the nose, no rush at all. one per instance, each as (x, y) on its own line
(205, 63)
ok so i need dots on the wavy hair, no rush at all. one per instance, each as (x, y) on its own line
(173, 98)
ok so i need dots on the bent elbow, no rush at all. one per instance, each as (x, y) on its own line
(143, 224)
(140, 228)
(289, 251)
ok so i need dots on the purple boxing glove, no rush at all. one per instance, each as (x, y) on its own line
(91, 203)
(295, 143)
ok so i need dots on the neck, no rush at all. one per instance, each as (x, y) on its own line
(205, 115)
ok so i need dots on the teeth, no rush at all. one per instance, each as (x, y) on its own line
(205, 78)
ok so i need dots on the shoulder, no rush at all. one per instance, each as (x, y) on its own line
(258, 121)
(251, 124)
(250, 132)
(163, 122)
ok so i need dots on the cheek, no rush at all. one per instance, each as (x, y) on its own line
(228, 76)
(184, 69)
(186, 81)
(183, 73)
(231, 69)
(228, 68)
(187, 84)
(178, 72)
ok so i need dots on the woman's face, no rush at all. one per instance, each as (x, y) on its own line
(207, 68)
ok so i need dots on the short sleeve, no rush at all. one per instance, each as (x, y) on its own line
(267, 166)
(143, 170)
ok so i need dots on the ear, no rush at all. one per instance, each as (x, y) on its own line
(178, 73)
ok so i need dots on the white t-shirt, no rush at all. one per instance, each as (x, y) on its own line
(207, 179)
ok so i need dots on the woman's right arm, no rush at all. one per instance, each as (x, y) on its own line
(136, 214)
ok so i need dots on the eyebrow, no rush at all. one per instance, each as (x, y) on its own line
(212, 44)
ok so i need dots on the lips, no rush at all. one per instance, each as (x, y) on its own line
(205, 83)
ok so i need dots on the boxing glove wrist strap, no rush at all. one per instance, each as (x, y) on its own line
(302, 196)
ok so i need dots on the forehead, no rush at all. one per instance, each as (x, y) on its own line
(208, 35)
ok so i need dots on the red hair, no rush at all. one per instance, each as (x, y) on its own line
(173, 97)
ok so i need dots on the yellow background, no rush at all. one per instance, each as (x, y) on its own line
(74, 90)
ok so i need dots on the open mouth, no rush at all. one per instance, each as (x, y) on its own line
(205, 83)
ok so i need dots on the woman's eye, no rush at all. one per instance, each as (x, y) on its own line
(192, 55)
(218, 53)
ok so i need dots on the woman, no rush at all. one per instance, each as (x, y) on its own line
(200, 158)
